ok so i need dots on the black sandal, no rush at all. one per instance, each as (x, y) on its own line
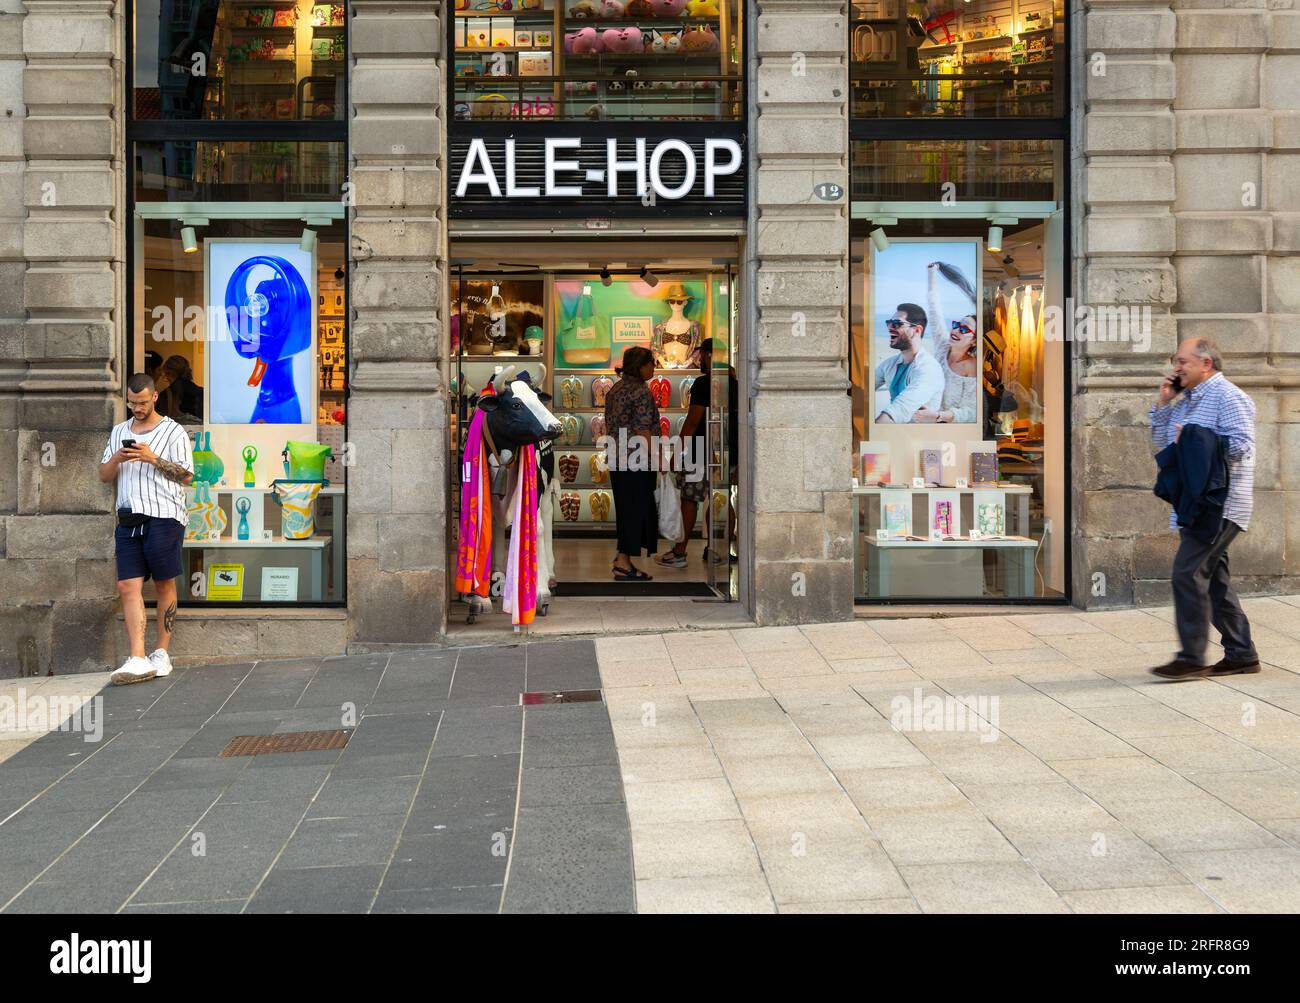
(630, 575)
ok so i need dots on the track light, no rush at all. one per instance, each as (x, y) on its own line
(994, 243)
(649, 277)
(189, 240)
(605, 279)
(307, 242)
(879, 240)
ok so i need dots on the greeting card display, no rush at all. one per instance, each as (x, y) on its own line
(945, 514)
(896, 514)
(932, 466)
(983, 468)
(874, 463)
(990, 513)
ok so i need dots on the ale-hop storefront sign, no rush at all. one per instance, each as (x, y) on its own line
(595, 175)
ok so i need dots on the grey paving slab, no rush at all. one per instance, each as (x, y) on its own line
(461, 774)
(568, 720)
(339, 842)
(348, 889)
(572, 883)
(449, 860)
(456, 811)
(225, 855)
(77, 794)
(291, 783)
(483, 899)
(398, 764)
(227, 906)
(577, 750)
(185, 774)
(571, 785)
(368, 796)
(562, 665)
(479, 731)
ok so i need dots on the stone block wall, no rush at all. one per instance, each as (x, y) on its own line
(397, 416)
(1189, 153)
(800, 532)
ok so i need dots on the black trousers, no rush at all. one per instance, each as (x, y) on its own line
(1203, 595)
(635, 512)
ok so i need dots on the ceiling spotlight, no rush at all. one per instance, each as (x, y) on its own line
(307, 242)
(649, 277)
(879, 240)
(189, 240)
(994, 243)
(605, 279)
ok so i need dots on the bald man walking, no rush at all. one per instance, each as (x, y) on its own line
(1200, 577)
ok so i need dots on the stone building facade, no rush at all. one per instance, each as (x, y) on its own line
(1185, 146)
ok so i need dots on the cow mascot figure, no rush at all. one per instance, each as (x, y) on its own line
(508, 480)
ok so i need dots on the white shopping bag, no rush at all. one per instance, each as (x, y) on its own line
(670, 508)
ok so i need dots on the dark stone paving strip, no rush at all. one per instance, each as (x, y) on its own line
(416, 814)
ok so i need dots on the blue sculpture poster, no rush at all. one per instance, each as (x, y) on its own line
(261, 297)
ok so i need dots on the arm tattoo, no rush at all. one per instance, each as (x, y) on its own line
(169, 618)
(173, 471)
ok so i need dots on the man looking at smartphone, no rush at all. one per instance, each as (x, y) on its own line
(1201, 581)
(149, 456)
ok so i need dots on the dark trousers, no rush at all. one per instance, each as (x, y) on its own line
(635, 512)
(1203, 595)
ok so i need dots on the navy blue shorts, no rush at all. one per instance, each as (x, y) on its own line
(149, 551)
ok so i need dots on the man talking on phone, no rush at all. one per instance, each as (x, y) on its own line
(149, 456)
(1197, 393)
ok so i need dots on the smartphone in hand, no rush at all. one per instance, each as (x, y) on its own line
(128, 443)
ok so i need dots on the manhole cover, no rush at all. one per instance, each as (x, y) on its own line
(292, 741)
(563, 696)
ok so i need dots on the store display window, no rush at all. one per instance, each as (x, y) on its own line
(247, 60)
(240, 317)
(598, 60)
(951, 59)
(959, 370)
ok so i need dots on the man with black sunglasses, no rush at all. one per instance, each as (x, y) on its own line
(911, 376)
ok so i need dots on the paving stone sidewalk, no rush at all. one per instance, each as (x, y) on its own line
(448, 797)
(764, 771)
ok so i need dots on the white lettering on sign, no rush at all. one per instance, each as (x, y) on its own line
(552, 165)
(721, 158)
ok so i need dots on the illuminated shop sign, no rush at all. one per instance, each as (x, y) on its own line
(570, 167)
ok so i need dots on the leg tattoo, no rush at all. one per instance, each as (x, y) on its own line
(169, 617)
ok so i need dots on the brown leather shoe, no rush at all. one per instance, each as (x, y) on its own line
(1224, 667)
(1180, 669)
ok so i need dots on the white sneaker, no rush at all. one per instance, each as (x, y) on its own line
(133, 670)
(161, 662)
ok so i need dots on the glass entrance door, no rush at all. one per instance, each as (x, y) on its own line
(720, 522)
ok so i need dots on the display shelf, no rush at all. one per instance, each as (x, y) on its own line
(317, 542)
(333, 489)
(984, 543)
(1011, 489)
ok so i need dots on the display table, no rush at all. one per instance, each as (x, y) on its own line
(315, 545)
(904, 568)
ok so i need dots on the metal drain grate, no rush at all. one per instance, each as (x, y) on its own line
(562, 696)
(292, 741)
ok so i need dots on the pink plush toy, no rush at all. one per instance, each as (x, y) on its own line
(700, 39)
(612, 8)
(623, 40)
(668, 8)
(582, 42)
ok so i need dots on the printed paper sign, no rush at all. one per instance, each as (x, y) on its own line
(225, 582)
(631, 330)
(279, 584)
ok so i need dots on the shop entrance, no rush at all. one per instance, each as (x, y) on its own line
(564, 313)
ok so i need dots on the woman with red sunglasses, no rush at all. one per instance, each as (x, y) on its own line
(954, 347)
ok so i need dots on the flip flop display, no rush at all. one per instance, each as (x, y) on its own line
(571, 434)
(571, 392)
(665, 426)
(684, 388)
(661, 389)
(599, 468)
(569, 464)
(599, 388)
(570, 505)
(597, 426)
(600, 502)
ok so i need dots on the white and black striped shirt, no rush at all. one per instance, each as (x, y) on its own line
(140, 486)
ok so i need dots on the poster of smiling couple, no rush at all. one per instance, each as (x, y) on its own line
(925, 331)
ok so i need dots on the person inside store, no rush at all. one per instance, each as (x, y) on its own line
(953, 347)
(692, 475)
(630, 412)
(153, 366)
(179, 397)
(911, 375)
(1211, 417)
(148, 455)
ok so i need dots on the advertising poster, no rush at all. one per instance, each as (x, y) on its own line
(925, 331)
(596, 323)
(261, 300)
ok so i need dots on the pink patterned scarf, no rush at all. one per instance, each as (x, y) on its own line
(520, 596)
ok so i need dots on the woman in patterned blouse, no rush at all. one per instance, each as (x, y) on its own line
(630, 412)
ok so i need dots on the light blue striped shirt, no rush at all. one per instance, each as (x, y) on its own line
(1224, 409)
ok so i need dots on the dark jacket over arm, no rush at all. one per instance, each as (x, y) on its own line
(1193, 478)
